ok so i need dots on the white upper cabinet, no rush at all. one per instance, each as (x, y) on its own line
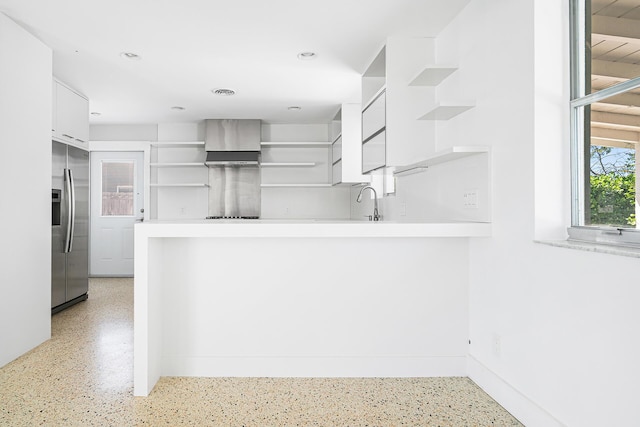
(70, 116)
(373, 117)
(395, 93)
(346, 149)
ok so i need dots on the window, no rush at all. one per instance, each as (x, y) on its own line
(117, 188)
(605, 120)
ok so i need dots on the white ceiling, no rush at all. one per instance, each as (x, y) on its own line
(189, 47)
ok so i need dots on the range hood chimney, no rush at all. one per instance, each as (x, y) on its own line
(233, 158)
(232, 142)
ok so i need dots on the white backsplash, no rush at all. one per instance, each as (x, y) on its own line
(437, 194)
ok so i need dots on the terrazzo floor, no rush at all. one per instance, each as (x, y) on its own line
(83, 376)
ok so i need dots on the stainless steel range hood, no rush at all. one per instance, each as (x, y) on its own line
(233, 157)
(232, 142)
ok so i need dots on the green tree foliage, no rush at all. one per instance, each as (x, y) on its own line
(613, 186)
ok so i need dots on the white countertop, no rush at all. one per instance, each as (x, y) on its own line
(309, 228)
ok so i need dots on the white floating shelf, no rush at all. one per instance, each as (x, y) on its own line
(294, 185)
(446, 112)
(287, 164)
(304, 144)
(175, 165)
(178, 144)
(432, 76)
(448, 155)
(194, 185)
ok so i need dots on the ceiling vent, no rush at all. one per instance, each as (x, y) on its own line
(224, 92)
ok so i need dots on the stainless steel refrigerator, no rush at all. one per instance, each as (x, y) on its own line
(69, 226)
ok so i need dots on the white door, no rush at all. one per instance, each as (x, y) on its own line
(117, 202)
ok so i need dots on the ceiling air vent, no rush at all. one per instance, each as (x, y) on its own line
(224, 92)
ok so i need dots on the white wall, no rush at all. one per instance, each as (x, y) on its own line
(123, 132)
(25, 217)
(179, 202)
(305, 202)
(552, 329)
(566, 321)
(277, 203)
(437, 194)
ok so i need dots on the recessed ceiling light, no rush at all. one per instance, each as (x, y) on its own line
(294, 108)
(177, 108)
(305, 56)
(95, 113)
(223, 91)
(130, 55)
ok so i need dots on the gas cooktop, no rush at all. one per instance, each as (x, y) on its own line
(232, 217)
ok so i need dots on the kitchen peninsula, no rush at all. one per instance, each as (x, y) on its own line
(300, 299)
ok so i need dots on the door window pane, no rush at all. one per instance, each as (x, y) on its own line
(117, 188)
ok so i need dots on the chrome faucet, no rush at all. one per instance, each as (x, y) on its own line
(376, 215)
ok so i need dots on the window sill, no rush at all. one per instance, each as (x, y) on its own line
(593, 247)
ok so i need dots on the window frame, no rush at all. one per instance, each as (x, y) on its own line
(579, 102)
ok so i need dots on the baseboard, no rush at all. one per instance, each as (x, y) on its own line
(174, 365)
(520, 406)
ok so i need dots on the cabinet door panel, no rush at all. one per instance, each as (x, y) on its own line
(71, 116)
(80, 109)
(373, 153)
(54, 108)
(64, 114)
(337, 150)
(374, 117)
(336, 172)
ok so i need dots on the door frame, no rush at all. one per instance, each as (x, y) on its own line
(145, 147)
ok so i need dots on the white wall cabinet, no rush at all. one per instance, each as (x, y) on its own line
(346, 153)
(374, 134)
(374, 85)
(373, 116)
(336, 161)
(395, 92)
(70, 116)
(373, 152)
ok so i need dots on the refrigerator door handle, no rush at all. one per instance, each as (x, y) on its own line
(71, 209)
